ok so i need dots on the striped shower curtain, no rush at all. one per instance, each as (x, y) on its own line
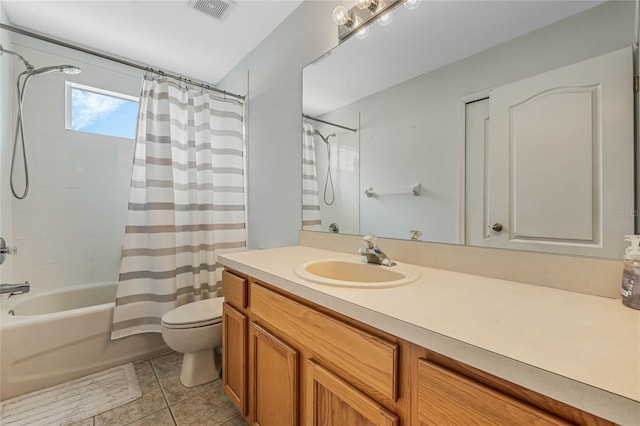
(186, 203)
(310, 198)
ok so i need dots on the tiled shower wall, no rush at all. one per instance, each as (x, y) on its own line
(70, 228)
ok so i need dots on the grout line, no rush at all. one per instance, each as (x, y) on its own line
(155, 374)
(232, 419)
(166, 401)
(150, 414)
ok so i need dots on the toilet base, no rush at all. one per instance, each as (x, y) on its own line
(199, 368)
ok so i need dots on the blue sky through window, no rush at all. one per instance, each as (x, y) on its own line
(103, 114)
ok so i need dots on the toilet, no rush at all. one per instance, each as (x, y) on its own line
(195, 329)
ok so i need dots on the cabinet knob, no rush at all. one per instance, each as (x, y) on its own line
(496, 227)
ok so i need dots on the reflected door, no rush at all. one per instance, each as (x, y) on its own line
(549, 139)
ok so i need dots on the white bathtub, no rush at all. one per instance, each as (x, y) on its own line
(63, 334)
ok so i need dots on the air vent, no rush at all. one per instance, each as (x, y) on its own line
(219, 9)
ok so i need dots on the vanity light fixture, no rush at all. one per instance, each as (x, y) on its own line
(359, 17)
(363, 33)
(412, 4)
(372, 5)
(341, 16)
(385, 19)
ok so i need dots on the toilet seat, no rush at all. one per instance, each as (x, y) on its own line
(195, 314)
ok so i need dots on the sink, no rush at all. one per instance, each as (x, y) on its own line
(356, 274)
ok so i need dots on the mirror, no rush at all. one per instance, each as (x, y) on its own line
(405, 90)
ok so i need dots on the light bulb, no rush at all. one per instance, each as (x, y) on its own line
(385, 19)
(363, 33)
(340, 16)
(412, 4)
(363, 4)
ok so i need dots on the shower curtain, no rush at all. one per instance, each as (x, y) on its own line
(310, 198)
(186, 203)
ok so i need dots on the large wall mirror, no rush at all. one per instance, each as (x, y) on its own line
(502, 124)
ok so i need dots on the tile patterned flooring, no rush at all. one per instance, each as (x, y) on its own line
(165, 401)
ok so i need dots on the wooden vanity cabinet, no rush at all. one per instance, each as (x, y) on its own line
(235, 322)
(446, 397)
(332, 401)
(274, 379)
(304, 364)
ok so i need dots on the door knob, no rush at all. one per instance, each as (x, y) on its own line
(496, 227)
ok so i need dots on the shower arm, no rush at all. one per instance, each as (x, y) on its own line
(26, 63)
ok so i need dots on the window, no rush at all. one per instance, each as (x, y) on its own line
(99, 111)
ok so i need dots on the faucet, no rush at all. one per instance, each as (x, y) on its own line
(371, 253)
(12, 289)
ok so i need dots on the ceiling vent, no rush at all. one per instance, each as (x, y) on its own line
(219, 9)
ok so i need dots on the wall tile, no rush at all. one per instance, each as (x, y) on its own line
(26, 225)
(51, 150)
(53, 275)
(71, 226)
(55, 225)
(78, 273)
(106, 247)
(28, 253)
(105, 270)
(79, 151)
(33, 274)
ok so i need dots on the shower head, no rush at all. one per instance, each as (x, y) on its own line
(67, 69)
(324, 139)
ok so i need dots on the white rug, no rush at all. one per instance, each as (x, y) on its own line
(73, 401)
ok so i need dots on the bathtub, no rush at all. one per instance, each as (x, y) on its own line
(63, 334)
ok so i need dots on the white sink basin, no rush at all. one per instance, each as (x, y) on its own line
(346, 273)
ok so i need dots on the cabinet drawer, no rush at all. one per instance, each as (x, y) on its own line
(446, 397)
(361, 358)
(234, 289)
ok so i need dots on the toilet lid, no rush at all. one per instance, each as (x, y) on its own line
(195, 314)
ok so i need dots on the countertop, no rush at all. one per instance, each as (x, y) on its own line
(579, 349)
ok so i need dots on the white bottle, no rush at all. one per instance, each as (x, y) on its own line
(630, 290)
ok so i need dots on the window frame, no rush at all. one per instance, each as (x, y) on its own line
(70, 85)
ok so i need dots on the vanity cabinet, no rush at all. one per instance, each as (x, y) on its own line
(308, 365)
(332, 401)
(446, 397)
(274, 378)
(234, 340)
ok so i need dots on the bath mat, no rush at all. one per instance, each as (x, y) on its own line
(73, 401)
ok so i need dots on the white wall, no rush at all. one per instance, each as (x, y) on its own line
(70, 228)
(275, 120)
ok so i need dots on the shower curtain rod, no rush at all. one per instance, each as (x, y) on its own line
(308, 117)
(120, 61)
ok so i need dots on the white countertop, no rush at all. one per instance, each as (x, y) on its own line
(580, 349)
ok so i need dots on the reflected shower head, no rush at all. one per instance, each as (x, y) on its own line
(67, 69)
(325, 139)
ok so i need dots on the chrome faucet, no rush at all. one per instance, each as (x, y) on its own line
(15, 288)
(371, 253)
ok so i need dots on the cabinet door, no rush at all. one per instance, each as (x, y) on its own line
(274, 379)
(234, 357)
(332, 401)
(448, 398)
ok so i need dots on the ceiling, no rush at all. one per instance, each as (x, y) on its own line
(168, 35)
(436, 34)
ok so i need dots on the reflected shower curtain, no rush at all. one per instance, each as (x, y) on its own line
(186, 203)
(310, 198)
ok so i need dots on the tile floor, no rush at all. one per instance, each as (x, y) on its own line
(165, 401)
